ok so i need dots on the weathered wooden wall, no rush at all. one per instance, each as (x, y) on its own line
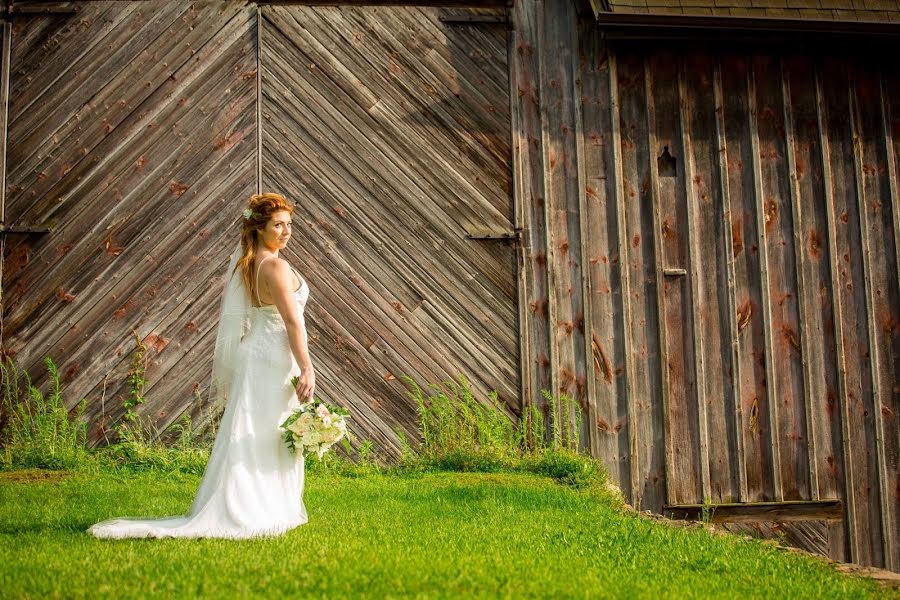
(390, 126)
(133, 135)
(711, 267)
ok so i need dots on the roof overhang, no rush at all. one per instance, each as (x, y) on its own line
(636, 26)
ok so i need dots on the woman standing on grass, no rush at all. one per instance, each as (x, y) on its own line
(253, 485)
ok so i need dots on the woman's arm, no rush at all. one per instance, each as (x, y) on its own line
(279, 279)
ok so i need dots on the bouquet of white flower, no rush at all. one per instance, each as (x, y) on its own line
(315, 426)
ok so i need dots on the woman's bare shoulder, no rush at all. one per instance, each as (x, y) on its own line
(276, 268)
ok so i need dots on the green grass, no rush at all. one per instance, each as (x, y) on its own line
(394, 534)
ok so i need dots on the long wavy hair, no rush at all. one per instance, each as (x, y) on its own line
(263, 206)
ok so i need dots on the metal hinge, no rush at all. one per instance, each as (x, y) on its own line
(514, 235)
(37, 9)
(474, 19)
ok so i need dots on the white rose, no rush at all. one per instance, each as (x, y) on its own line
(296, 427)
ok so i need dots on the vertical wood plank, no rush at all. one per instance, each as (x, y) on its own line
(712, 282)
(259, 100)
(696, 300)
(619, 200)
(784, 321)
(547, 199)
(748, 286)
(849, 498)
(4, 126)
(521, 219)
(637, 199)
(588, 405)
(819, 345)
(665, 425)
(890, 434)
(803, 297)
(772, 400)
(886, 118)
(606, 343)
(4, 122)
(864, 200)
(740, 457)
(561, 167)
(683, 480)
(528, 160)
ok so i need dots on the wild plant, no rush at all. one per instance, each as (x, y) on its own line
(38, 431)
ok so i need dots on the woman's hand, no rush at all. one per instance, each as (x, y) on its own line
(306, 385)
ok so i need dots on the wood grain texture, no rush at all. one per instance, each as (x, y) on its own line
(684, 481)
(133, 179)
(384, 124)
(603, 345)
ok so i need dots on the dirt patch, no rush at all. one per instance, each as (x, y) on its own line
(32, 476)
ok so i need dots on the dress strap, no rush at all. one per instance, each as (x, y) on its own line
(297, 273)
(258, 299)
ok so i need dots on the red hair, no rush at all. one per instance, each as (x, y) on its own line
(262, 207)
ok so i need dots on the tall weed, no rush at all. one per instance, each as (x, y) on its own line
(37, 430)
(460, 433)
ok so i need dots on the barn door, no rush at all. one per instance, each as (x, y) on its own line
(130, 149)
(390, 128)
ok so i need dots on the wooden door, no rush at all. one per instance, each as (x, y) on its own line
(390, 129)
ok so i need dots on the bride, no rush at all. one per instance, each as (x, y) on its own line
(253, 485)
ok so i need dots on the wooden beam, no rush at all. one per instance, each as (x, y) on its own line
(825, 148)
(719, 99)
(44, 8)
(828, 510)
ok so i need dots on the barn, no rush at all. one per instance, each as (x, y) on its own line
(680, 213)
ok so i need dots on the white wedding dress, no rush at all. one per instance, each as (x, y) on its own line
(252, 485)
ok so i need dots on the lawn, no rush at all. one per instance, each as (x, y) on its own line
(423, 535)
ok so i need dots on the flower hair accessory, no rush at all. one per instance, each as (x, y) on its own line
(247, 213)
